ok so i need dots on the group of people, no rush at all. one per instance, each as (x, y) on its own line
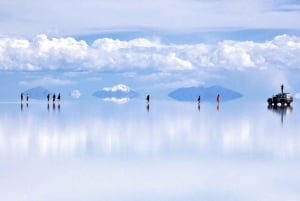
(22, 97)
(218, 99)
(48, 97)
(54, 97)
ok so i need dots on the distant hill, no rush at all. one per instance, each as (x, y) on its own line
(116, 92)
(208, 94)
(37, 93)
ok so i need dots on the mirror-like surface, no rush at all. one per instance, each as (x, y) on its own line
(168, 151)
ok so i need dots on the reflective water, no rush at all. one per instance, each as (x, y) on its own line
(168, 151)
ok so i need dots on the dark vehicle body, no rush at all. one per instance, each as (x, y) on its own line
(282, 98)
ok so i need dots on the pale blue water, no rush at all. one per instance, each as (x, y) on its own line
(96, 150)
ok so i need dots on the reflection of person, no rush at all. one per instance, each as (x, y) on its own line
(148, 99)
(282, 88)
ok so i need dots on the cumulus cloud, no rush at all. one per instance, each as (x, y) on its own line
(119, 87)
(75, 94)
(69, 54)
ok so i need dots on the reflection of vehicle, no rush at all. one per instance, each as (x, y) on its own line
(282, 98)
(281, 110)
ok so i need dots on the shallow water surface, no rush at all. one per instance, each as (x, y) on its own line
(170, 151)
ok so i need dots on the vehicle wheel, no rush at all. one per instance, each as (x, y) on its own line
(269, 101)
(282, 102)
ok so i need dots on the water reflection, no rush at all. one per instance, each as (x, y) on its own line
(281, 110)
(169, 128)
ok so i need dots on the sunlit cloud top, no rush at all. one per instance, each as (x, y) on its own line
(68, 54)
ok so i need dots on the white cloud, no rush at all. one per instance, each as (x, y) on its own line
(68, 54)
(117, 100)
(119, 87)
(47, 81)
(75, 94)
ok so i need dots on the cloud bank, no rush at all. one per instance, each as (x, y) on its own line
(68, 54)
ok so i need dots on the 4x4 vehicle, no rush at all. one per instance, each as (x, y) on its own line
(282, 98)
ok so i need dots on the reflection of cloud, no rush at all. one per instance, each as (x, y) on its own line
(117, 100)
(51, 144)
(171, 129)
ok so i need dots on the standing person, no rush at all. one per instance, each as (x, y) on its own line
(21, 97)
(48, 97)
(27, 98)
(218, 98)
(218, 101)
(282, 88)
(199, 99)
(58, 97)
(148, 99)
(53, 98)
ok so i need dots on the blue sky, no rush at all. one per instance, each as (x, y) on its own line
(57, 18)
(150, 45)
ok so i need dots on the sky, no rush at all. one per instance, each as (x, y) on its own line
(70, 17)
(151, 44)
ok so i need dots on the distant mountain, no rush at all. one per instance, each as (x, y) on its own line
(119, 91)
(37, 93)
(208, 94)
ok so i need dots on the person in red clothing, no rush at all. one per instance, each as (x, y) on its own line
(218, 98)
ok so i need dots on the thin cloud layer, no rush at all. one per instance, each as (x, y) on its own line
(57, 17)
(68, 54)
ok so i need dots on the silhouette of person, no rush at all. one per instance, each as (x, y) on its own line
(218, 101)
(48, 97)
(148, 99)
(199, 99)
(58, 97)
(53, 97)
(21, 97)
(282, 88)
(27, 98)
